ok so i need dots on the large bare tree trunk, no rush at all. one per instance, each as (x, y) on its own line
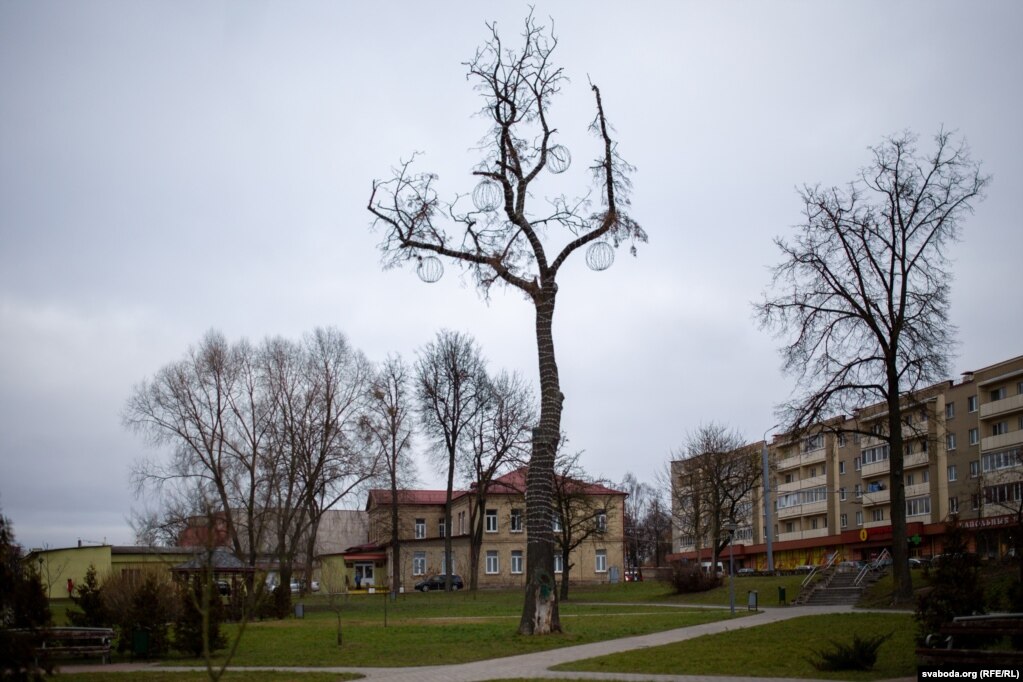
(540, 610)
(897, 497)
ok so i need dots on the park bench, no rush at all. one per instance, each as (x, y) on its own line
(948, 646)
(72, 641)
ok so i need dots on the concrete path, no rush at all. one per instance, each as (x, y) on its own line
(537, 665)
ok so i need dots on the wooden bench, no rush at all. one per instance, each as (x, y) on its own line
(941, 648)
(71, 641)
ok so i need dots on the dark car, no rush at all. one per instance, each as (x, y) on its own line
(436, 582)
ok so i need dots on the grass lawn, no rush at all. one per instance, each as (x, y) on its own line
(444, 639)
(653, 591)
(774, 650)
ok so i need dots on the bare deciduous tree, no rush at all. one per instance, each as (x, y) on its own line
(451, 390)
(498, 437)
(504, 239)
(863, 293)
(715, 476)
(388, 426)
(582, 507)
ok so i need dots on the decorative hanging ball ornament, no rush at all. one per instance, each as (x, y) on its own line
(430, 269)
(558, 158)
(487, 196)
(600, 256)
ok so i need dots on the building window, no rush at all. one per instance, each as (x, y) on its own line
(841, 494)
(1005, 494)
(602, 522)
(1006, 459)
(974, 436)
(953, 473)
(559, 563)
(1019, 388)
(491, 521)
(975, 468)
(998, 394)
(918, 506)
(516, 561)
(789, 527)
(788, 478)
(999, 428)
(601, 561)
(950, 441)
(859, 518)
(420, 529)
(975, 501)
(461, 523)
(910, 478)
(441, 528)
(856, 463)
(444, 563)
(813, 523)
(844, 520)
(953, 505)
(841, 439)
(556, 523)
(971, 404)
(877, 454)
(841, 467)
(925, 476)
(419, 563)
(877, 515)
(516, 520)
(858, 491)
(950, 410)
(493, 562)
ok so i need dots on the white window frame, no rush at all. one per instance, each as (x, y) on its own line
(559, 563)
(601, 522)
(859, 518)
(971, 404)
(420, 532)
(975, 468)
(841, 494)
(490, 521)
(950, 410)
(950, 441)
(493, 562)
(600, 561)
(953, 473)
(974, 436)
(843, 519)
(556, 523)
(841, 467)
(515, 523)
(953, 505)
(419, 563)
(516, 562)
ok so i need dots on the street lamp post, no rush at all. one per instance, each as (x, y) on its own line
(731, 527)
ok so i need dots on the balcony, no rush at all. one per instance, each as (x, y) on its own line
(803, 534)
(875, 469)
(1004, 440)
(808, 509)
(917, 459)
(917, 490)
(877, 497)
(1003, 406)
(796, 461)
(877, 524)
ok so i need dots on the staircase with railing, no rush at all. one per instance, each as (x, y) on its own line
(833, 585)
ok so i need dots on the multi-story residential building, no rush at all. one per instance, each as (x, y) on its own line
(502, 560)
(829, 489)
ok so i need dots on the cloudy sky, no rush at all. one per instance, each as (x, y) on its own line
(171, 167)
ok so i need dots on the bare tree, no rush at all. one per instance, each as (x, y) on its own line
(863, 293)
(503, 239)
(714, 479)
(388, 426)
(452, 389)
(191, 405)
(640, 495)
(582, 506)
(498, 437)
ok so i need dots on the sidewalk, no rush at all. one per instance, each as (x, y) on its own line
(538, 665)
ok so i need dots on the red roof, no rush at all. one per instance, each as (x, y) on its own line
(512, 483)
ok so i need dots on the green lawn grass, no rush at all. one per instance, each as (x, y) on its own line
(773, 650)
(247, 676)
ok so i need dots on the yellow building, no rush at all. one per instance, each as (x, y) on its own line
(502, 559)
(63, 569)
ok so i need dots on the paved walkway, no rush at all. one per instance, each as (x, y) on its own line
(537, 665)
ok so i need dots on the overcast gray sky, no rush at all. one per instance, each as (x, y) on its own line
(171, 167)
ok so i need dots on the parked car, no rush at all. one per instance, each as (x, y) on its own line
(633, 575)
(918, 562)
(746, 571)
(437, 582)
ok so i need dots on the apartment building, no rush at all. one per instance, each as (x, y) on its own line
(503, 551)
(829, 489)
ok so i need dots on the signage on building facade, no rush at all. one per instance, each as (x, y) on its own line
(989, 522)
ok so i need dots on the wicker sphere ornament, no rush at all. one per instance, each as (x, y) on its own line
(487, 196)
(600, 256)
(430, 269)
(558, 158)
